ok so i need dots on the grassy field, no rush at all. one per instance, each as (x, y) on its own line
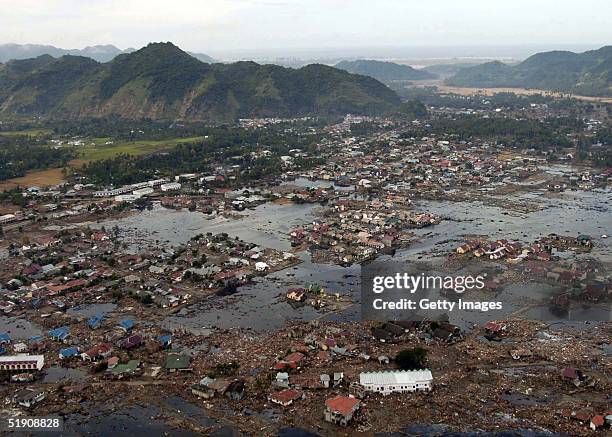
(41, 178)
(467, 91)
(103, 151)
(95, 150)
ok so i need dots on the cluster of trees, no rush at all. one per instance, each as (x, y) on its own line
(431, 96)
(597, 149)
(121, 129)
(20, 154)
(411, 359)
(513, 132)
(225, 145)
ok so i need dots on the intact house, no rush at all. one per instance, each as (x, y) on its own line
(398, 381)
(340, 409)
(98, 352)
(285, 397)
(22, 362)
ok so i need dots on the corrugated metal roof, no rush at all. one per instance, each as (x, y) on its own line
(397, 377)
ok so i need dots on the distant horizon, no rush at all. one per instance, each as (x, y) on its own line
(510, 52)
(272, 27)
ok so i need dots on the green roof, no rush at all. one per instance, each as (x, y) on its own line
(177, 361)
(130, 366)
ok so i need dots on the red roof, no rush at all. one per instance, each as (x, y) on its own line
(295, 357)
(342, 404)
(100, 349)
(57, 288)
(598, 420)
(571, 373)
(285, 396)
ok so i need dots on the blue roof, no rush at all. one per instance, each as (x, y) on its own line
(69, 352)
(95, 320)
(35, 338)
(127, 324)
(2, 350)
(165, 338)
(5, 338)
(60, 333)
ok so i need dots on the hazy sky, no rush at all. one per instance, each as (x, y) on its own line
(224, 26)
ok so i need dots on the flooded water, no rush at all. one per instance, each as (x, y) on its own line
(266, 225)
(19, 328)
(259, 305)
(134, 420)
(137, 420)
(307, 183)
(569, 213)
(90, 310)
(64, 374)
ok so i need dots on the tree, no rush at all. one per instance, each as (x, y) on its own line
(409, 359)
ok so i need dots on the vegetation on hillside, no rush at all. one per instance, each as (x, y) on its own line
(160, 81)
(588, 73)
(384, 71)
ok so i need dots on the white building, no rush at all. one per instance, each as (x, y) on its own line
(143, 191)
(22, 362)
(171, 186)
(126, 198)
(6, 218)
(261, 266)
(397, 381)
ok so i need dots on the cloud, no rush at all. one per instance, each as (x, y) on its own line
(217, 25)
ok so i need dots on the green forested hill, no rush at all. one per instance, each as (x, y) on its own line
(384, 71)
(587, 73)
(160, 81)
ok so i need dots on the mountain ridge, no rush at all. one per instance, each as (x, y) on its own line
(161, 81)
(384, 71)
(588, 73)
(101, 52)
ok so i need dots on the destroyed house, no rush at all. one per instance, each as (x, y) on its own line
(5, 338)
(175, 361)
(95, 321)
(208, 387)
(28, 397)
(126, 324)
(133, 341)
(235, 391)
(165, 341)
(124, 369)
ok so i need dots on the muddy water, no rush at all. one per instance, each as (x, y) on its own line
(19, 328)
(259, 306)
(90, 310)
(307, 183)
(64, 374)
(266, 225)
(568, 213)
